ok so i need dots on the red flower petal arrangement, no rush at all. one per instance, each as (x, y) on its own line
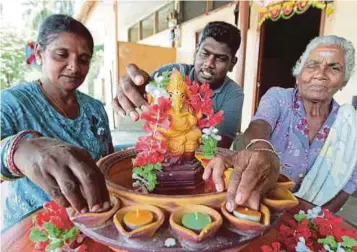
(318, 230)
(152, 148)
(53, 230)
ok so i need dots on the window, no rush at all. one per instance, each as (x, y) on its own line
(192, 9)
(134, 33)
(217, 4)
(163, 15)
(147, 27)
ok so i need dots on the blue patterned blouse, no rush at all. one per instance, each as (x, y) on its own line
(25, 107)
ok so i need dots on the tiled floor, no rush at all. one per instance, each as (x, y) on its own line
(348, 211)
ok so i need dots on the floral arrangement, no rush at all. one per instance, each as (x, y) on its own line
(53, 230)
(317, 230)
(152, 148)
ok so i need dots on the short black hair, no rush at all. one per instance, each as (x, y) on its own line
(223, 32)
(53, 25)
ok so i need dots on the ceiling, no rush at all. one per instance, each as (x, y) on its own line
(129, 12)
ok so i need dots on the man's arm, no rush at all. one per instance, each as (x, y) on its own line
(232, 108)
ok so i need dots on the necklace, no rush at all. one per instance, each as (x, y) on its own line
(52, 101)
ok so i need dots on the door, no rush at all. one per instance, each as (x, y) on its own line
(281, 44)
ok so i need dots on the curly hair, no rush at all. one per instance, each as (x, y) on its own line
(53, 25)
(224, 33)
(347, 46)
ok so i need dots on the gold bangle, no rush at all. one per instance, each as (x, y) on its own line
(268, 150)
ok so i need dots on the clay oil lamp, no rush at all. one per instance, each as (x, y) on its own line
(195, 223)
(279, 199)
(92, 219)
(138, 221)
(247, 221)
(285, 181)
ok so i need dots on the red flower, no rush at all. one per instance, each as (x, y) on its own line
(275, 247)
(158, 115)
(211, 121)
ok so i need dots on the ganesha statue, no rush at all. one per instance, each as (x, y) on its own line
(175, 123)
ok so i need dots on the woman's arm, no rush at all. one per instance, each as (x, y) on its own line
(337, 202)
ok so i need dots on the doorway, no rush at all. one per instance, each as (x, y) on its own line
(281, 44)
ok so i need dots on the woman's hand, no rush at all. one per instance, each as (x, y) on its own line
(254, 173)
(67, 173)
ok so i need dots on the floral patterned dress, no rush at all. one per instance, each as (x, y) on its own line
(284, 110)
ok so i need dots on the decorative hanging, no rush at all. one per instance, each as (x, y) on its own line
(287, 9)
(30, 53)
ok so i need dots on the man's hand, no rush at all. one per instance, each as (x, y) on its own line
(67, 173)
(254, 173)
(130, 93)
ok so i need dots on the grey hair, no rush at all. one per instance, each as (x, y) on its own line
(345, 44)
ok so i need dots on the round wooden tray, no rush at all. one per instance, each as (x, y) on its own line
(117, 171)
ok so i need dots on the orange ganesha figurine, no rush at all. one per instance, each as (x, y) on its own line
(183, 137)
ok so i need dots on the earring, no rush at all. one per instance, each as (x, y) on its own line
(39, 61)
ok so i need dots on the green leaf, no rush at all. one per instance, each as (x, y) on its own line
(37, 236)
(330, 241)
(158, 166)
(299, 217)
(149, 167)
(71, 234)
(55, 244)
(348, 242)
(52, 230)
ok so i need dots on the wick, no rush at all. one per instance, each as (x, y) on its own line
(137, 212)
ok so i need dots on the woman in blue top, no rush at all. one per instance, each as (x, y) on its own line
(52, 135)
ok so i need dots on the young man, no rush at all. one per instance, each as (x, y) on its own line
(214, 57)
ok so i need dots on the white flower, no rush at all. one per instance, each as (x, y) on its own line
(170, 242)
(211, 132)
(301, 247)
(156, 92)
(327, 247)
(339, 248)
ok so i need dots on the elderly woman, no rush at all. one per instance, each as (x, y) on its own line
(51, 133)
(314, 138)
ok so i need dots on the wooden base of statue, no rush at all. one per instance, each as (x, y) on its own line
(182, 176)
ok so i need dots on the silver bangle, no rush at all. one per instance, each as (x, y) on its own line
(268, 150)
(253, 141)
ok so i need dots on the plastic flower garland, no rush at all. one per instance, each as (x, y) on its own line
(317, 230)
(152, 149)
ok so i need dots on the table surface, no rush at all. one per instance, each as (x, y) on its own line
(16, 238)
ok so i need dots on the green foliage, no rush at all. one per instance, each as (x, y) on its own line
(300, 217)
(147, 173)
(163, 80)
(209, 146)
(330, 241)
(37, 236)
(348, 242)
(12, 58)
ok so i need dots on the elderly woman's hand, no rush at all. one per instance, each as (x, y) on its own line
(254, 173)
(67, 173)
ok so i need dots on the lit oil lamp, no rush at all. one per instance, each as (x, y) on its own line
(196, 221)
(246, 213)
(138, 218)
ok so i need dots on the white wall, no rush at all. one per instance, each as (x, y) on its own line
(343, 23)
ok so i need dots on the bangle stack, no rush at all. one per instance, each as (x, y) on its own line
(12, 148)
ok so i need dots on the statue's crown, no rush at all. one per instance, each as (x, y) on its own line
(177, 82)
